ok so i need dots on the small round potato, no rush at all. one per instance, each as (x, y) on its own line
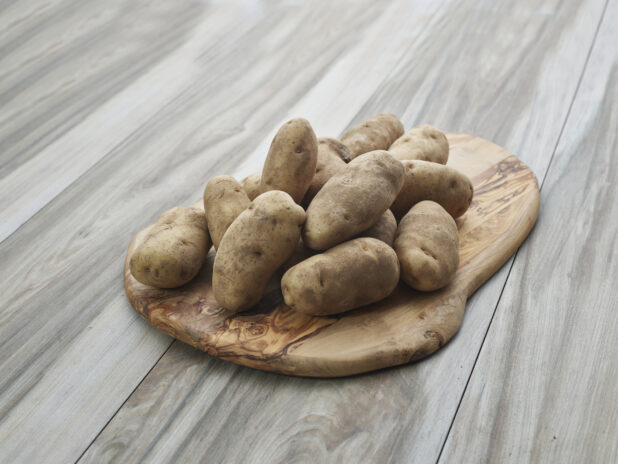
(256, 244)
(384, 230)
(376, 133)
(431, 181)
(424, 143)
(352, 274)
(292, 157)
(174, 249)
(251, 184)
(331, 154)
(224, 200)
(353, 200)
(427, 245)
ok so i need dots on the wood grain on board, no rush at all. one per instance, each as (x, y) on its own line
(545, 387)
(120, 110)
(406, 326)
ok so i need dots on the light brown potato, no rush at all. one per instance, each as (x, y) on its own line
(330, 162)
(251, 185)
(431, 181)
(384, 230)
(352, 274)
(376, 133)
(224, 200)
(427, 245)
(353, 200)
(424, 143)
(256, 244)
(174, 250)
(292, 157)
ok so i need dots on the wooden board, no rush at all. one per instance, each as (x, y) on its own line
(406, 326)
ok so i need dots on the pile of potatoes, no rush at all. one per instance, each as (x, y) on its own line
(343, 220)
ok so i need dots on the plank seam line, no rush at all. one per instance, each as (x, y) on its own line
(551, 159)
(125, 400)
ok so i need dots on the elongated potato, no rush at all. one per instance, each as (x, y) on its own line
(174, 250)
(224, 200)
(384, 230)
(427, 245)
(256, 244)
(431, 181)
(251, 185)
(376, 133)
(292, 157)
(331, 154)
(424, 143)
(353, 200)
(352, 274)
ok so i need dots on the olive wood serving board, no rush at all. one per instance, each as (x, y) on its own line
(406, 326)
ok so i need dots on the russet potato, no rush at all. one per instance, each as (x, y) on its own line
(255, 245)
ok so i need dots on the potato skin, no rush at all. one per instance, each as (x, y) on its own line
(431, 181)
(384, 230)
(352, 274)
(424, 143)
(174, 250)
(224, 200)
(256, 244)
(291, 160)
(251, 185)
(376, 133)
(427, 245)
(353, 200)
(331, 154)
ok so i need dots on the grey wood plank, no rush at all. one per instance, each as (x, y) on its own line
(65, 74)
(545, 387)
(456, 78)
(58, 62)
(72, 351)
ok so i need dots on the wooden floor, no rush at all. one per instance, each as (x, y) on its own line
(111, 112)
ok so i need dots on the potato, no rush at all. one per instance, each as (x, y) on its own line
(431, 181)
(251, 185)
(331, 154)
(292, 157)
(174, 249)
(421, 143)
(224, 200)
(376, 133)
(427, 245)
(352, 274)
(353, 200)
(384, 230)
(256, 244)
